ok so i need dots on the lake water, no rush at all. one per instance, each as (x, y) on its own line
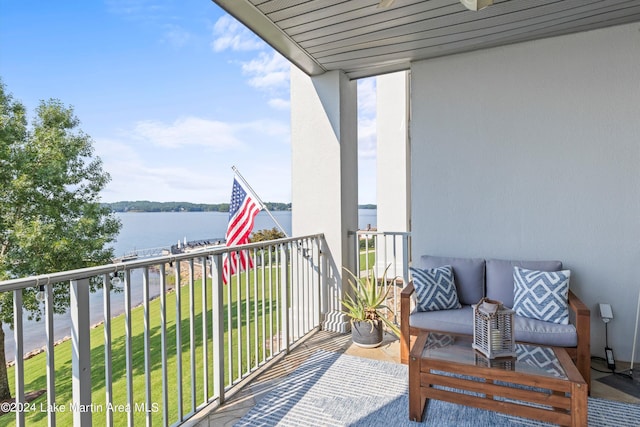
(144, 230)
(162, 229)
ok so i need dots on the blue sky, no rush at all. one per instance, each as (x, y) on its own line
(173, 93)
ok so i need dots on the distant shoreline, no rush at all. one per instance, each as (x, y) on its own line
(147, 206)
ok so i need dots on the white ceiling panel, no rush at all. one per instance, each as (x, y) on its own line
(362, 39)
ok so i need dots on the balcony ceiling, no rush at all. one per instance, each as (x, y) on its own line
(361, 39)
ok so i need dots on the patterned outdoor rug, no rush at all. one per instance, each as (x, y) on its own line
(331, 389)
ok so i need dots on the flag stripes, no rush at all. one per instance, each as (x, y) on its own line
(242, 212)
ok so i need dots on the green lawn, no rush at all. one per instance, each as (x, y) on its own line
(367, 259)
(35, 368)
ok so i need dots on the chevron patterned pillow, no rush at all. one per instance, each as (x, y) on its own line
(542, 295)
(435, 288)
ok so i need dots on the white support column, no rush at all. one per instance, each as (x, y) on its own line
(393, 160)
(325, 172)
(81, 352)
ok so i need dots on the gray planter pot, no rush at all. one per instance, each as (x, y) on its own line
(364, 335)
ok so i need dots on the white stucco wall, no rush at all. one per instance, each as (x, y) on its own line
(532, 151)
(325, 167)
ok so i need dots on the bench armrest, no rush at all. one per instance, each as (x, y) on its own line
(405, 310)
(582, 322)
(579, 308)
(407, 290)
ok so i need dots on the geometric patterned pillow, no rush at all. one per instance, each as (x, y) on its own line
(541, 295)
(435, 288)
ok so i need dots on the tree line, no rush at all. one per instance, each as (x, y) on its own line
(147, 206)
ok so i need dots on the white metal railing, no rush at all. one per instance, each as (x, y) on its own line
(385, 251)
(183, 351)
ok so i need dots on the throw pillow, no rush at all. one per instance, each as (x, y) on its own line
(435, 288)
(542, 295)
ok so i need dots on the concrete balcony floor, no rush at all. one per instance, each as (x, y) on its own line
(240, 403)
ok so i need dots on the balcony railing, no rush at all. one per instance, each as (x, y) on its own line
(385, 251)
(183, 351)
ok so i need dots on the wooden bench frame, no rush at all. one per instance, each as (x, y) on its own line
(579, 315)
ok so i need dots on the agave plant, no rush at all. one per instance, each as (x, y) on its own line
(368, 300)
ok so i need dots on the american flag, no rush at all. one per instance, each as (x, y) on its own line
(242, 213)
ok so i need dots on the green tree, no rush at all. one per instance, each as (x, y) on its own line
(266, 235)
(50, 213)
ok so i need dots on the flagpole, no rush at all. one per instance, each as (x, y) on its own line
(264, 206)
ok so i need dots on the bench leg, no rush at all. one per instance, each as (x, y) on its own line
(579, 411)
(416, 401)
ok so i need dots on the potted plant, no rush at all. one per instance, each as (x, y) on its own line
(365, 305)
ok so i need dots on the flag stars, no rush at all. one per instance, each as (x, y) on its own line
(237, 196)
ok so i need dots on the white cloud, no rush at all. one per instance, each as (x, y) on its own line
(174, 161)
(367, 127)
(230, 34)
(367, 96)
(188, 174)
(266, 127)
(167, 183)
(138, 174)
(269, 71)
(280, 103)
(188, 131)
(116, 156)
(367, 139)
(216, 135)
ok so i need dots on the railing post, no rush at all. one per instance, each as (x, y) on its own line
(218, 328)
(106, 289)
(128, 344)
(51, 371)
(318, 282)
(147, 344)
(405, 259)
(178, 292)
(164, 344)
(354, 239)
(81, 353)
(205, 332)
(192, 332)
(284, 292)
(19, 367)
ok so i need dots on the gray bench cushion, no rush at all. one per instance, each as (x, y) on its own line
(500, 277)
(460, 321)
(547, 333)
(457, 321)
(468, 274)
